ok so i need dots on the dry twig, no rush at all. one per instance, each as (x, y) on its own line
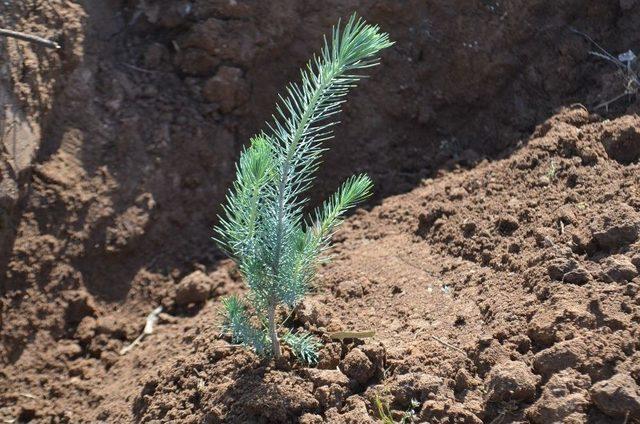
(148, 329)
(137, 68)
(442, 342)
(29, 38)
(341, 335)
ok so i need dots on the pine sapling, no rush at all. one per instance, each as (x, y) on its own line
(262, 227)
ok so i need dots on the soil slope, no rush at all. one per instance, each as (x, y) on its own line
(507, 292)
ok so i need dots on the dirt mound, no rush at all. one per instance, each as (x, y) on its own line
(508, 291)
(465, 280)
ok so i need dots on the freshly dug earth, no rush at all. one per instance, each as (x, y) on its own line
(503, 285)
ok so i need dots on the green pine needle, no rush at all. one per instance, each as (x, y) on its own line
(304, 346)
(262, 226)
(237, 323)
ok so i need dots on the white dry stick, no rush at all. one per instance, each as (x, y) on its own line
(29, 38)
(449, 345)
(152, 318)
(28, 395)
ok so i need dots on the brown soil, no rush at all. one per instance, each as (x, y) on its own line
(499, 263)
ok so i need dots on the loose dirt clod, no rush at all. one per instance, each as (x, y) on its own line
(564, 399)
(194, 288)
(618, 396)
(358, 366)
(512, 380)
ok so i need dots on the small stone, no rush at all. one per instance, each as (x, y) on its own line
(543, 237)
(581, 241)
(194, 288)
(512, 380)
(567, 270)
(566, 214)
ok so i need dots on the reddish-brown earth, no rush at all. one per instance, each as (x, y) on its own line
(499, 263)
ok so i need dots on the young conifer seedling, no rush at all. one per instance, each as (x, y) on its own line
(262, 226)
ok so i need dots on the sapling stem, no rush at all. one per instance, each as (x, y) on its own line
(273, 333)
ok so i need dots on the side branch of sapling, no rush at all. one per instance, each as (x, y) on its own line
(263, 227)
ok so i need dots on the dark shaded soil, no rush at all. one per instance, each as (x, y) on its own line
(500, 271)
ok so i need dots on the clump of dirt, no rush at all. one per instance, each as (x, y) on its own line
(508, 291)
